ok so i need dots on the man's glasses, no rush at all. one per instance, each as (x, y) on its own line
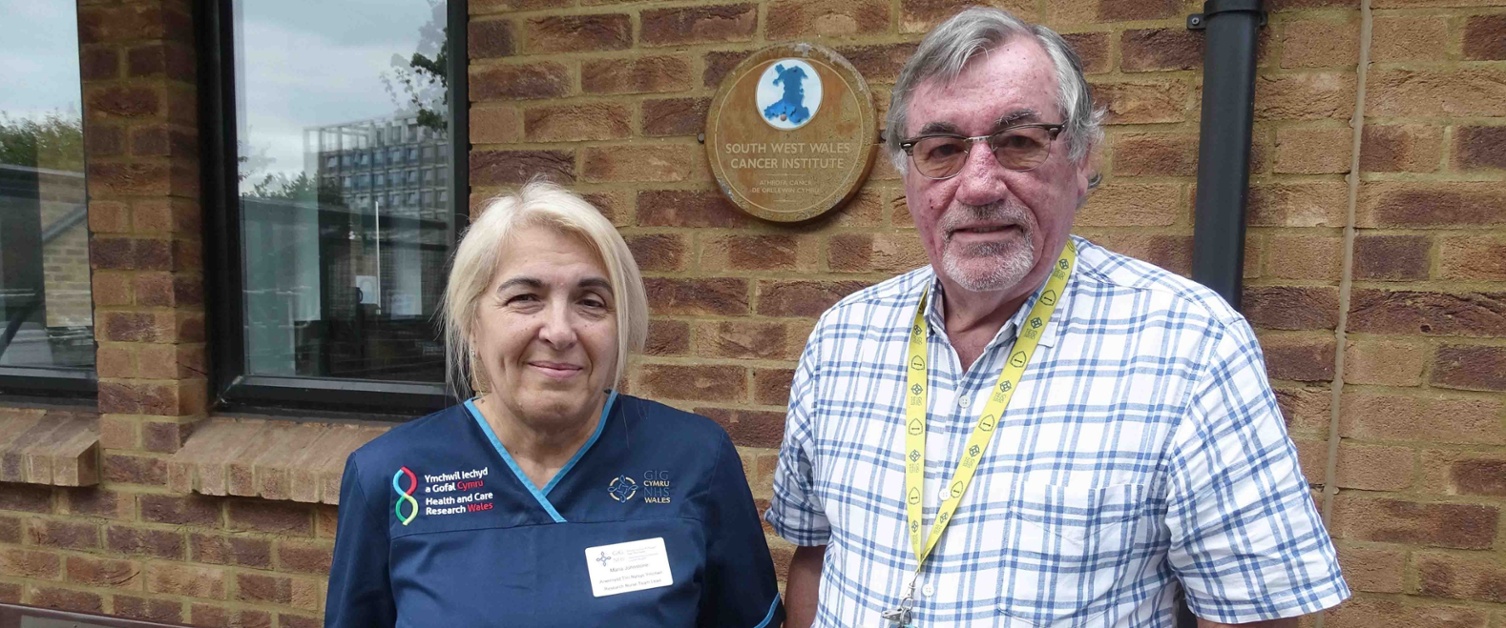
(1021, 148)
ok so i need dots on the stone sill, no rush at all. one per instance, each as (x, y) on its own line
(50, 447)
(267, 458)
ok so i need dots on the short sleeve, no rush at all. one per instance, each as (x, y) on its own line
(360, 590)
(796, 512)
(741, 587)
(1247, 541)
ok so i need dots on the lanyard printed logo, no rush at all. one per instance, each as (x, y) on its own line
(405, 496)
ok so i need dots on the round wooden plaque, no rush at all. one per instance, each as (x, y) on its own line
(791, 133)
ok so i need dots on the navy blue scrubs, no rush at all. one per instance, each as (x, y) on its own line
(439, 527)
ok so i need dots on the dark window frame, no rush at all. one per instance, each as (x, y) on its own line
(54, 384)
(234, 389)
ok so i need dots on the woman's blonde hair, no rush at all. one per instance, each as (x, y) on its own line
(537, 204)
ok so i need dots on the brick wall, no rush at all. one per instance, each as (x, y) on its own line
(1373, 274)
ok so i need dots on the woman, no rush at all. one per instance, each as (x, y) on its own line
(548, 499)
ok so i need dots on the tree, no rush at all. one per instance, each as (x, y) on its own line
(422, 77)
(55, 141)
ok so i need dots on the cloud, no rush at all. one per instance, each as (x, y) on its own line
(38, 49)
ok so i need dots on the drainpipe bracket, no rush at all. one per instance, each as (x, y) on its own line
(1199, 21)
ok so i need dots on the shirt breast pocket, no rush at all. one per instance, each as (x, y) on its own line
(1070, 547)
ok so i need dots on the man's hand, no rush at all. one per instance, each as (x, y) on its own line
(803, 585)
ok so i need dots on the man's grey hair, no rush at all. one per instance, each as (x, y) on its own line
(946, 51)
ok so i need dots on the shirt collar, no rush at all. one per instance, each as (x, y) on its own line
(936, 312)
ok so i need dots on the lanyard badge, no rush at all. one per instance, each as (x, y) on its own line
(915, 421)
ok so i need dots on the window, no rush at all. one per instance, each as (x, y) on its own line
(46, 311)
(327, 297)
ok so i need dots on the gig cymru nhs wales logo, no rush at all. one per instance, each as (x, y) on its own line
(405, 495)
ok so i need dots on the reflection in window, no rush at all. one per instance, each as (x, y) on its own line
(46, 317)
(339, 281)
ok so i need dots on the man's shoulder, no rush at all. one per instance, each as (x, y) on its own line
(1118, 274)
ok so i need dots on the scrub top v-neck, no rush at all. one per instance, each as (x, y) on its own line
(650, 524)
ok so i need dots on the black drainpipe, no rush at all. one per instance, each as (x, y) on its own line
(1223, 161)
(1223, 155)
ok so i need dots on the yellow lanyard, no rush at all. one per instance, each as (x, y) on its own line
(915, 409)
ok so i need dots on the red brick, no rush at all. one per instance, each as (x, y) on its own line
(65, 599)
(1374, 467)
(748, 340)
(98, 63)
(578, 33)
(519, 82)
(1092, 49)
(658, 252)
(722, 384)
(271, 517)
(764, 251)
(1123, 204)
(1470, 367)
(155, 610)
(133, 469)
(1423, 205)
(1473, 258)
(1480, 147)
(1313, 150)
(496, 125)
(1291, 308)
(101, 24)
(185, 580)
(124, 102)
(920, 16)
(10, 530)
(516, 167)
(1299, 358)
(25, 498)
(482, 7)
(1391, 258)
(1427, 313)
(1401, 148)
(206, 615)
(719, 63)
(802, 298)
(1485, 37)
(1320, 44)
(10, 593)
(1479, 477)
(305, 557)
(1409, 38)
(1305, 96)
(25, 563)
(1436, 93)
(104, 140)
(698, 25)
(1371, 611)
(789, 19)
(1144, 101)
(285, 620)
(1298, 205)
(667, 337)
(1461, 578)
(637, 75)
(1155, 155)
(262, 588)
(1117, 10)
(1430, 419)
(164, 59)
(1457, 526)
(63, 534)
(771, 387)
(103, 572)
(191, 510)
(573, 123)
(688, 208)
(1303, 257)
(133, 542)
(238, 550)
(1160, 49)
(864, 252)
(697, 297)
(488, 39)
(1384, 363)
(1373, 569)
(656, 163)
(749, 428)
(674, 116)
(880, 62)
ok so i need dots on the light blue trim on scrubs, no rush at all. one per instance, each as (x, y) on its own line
(770, 617)
(539, 496)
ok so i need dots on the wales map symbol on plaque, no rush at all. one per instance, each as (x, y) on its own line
(789, 94)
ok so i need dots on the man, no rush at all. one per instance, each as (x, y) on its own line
(1033, 431)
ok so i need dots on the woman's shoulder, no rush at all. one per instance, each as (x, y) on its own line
(413, 438)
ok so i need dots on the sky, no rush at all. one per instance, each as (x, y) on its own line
(300, 64)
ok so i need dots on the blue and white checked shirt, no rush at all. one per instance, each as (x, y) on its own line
(1143, 447)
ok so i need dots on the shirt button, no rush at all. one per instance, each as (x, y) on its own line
(965, 402)
(928, 590)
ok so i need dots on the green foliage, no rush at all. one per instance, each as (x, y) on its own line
(55, 142)
(422, 78)
(302, 188)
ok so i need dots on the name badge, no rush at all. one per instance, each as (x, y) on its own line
(627, 567)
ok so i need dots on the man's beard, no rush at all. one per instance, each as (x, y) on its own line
(1006, 264)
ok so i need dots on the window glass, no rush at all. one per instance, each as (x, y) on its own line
(338, 281)
(46, 316)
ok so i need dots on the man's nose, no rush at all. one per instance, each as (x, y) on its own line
(981, 180)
